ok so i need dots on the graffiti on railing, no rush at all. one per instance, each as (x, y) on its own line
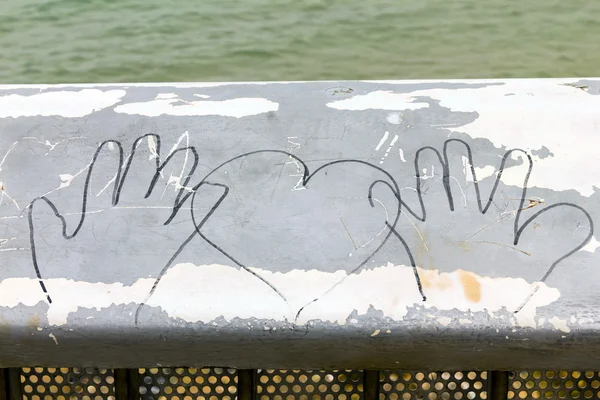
(192, 184)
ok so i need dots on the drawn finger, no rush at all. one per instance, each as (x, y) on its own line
(140, 164)
(554, 236)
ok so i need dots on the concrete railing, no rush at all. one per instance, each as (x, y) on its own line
(443, 225)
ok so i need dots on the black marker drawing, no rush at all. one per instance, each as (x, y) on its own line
(183, 196)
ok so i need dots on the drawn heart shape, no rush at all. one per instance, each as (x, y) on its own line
(289, 226)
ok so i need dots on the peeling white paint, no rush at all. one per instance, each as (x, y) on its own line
(559, 324)
(237, 108)
(530, 114)
(377, 332)
(379, 100)
(444, 321)
(465, 321)
(69, 104)
(389, 288)
(526, 114)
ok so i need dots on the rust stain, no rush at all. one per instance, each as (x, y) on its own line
(433, 279)
(34, 322)
(471, 286)
(464, 245)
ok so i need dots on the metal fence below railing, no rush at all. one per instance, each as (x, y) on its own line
(266, 384)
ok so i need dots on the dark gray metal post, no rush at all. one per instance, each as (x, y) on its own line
(10, 384)
(246, 384)
(498, 385)
(371, 384)
(127, 384)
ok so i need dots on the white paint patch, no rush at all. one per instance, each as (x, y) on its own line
(394, 118)
(237, 108)
(51, 336)
(481, 173)
(465, 321)
(377, 332)
(592, 245)
(379, 100)
(444, 321)
(389, 288)
(559, 324)
(69, 104)
(530, 114)
(166, 96)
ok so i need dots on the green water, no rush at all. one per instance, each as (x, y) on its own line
(55, 41)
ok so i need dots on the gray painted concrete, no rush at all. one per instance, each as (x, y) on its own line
(309, 225)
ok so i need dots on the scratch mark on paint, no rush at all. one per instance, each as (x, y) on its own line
(401, 155)
(416, 229)
(387, 152)
(382, 141)
(461, 190)
(6, 155)
(7, 195)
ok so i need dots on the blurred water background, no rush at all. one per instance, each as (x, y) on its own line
(52, 41)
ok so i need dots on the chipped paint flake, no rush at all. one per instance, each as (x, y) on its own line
(69, 104)
(51, 336)
(237, 108)
(559, 324)
(591, 246)
(377, 332)
(444, 321)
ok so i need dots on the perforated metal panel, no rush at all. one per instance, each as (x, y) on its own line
(315, 385)
(188, 383)
(396, 385)
(554, 385)
(68, 383)
(221, 384)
